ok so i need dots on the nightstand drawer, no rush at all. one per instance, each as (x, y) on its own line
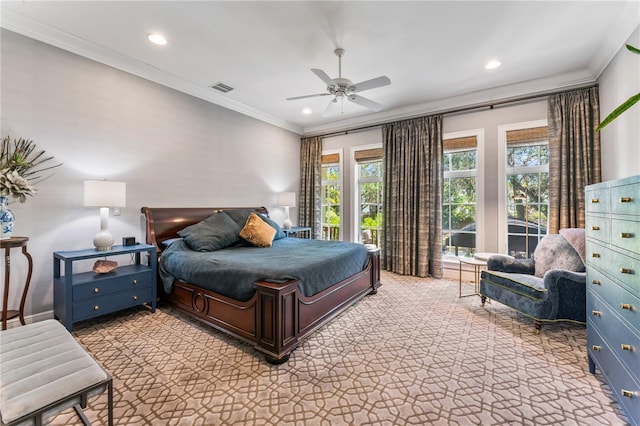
(598, 228)
(112, 283)
(90, 308)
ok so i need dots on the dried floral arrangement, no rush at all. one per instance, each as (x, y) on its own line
(21, 167)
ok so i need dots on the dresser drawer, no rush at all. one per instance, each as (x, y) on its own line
(597, 200)
(625, 304)
(624, 234)
(625, 199)
(599, 228)
(626, 389)
(623, 269)
(90, 308)
(112, 284)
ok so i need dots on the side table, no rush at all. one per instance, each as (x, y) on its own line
(7, 245)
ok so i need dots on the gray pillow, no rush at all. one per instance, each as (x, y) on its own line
(214, 233)
(240, 217)
(554, 252)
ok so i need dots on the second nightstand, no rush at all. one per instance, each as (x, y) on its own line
(298, 232)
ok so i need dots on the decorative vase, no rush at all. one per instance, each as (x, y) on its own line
(7, 218)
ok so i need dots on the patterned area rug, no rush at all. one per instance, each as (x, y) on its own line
(412, 354)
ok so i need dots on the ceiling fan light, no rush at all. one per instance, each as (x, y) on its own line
(156, 38)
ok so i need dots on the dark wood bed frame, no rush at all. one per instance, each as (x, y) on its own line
(278, 316)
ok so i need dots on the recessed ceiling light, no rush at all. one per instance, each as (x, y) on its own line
(492, 64)
(307, 111)
(157, 39)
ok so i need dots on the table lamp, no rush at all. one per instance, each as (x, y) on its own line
(104, 194)
(286, 200)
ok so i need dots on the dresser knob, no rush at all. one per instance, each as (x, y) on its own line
(626, 199)
(626, 235)
(96, 290)
(135, 281)
(135, 297)
(625, 347)
(96, 307)
(626, 393)
(595, 200)
(596, 282)
(626, 306)
(595, 254)
(596, 313)
(596, 347)
(626, 271)
(595, 228)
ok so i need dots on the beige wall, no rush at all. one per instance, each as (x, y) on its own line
(621, 139)
(170, 148)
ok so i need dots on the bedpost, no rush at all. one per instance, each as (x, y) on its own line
(277, 331)
(374, 261)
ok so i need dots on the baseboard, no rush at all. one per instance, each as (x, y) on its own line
(15, 322)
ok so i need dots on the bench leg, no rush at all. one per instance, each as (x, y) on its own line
(83, 418)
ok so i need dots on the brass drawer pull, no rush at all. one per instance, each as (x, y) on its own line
(626, 271)
(625, 347)
(596, 282)
(135, 281)
(96, 290)
(595, 228)
(626, 393)
(596, 347)
(595, 254)
(626, 199)
(626, 306)
(135, 297)
(596, 313)
(96, 307)
(595, 200)
(626, 235)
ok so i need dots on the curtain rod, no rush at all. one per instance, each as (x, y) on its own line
(452, 111)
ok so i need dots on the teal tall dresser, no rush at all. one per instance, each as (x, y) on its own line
(613, 288)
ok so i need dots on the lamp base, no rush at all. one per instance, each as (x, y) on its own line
(103, 241)
(286, 224)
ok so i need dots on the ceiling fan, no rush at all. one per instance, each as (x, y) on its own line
(341, 88)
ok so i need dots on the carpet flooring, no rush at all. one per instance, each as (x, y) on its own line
(413, 354)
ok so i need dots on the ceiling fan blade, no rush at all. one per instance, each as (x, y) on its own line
(367, 103)
(307, 96)
(323, 76)
(383, 80)
(330, 107)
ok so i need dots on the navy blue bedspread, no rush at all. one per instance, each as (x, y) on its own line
(232, 271)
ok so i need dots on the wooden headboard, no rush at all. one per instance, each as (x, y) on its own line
(163, 223)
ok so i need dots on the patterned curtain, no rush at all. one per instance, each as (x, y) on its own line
(412, 228)
(310, 184)
(574, 155)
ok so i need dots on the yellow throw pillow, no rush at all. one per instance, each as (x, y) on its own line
(257, 231)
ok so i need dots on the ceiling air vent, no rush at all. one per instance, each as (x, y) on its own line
(221, 87)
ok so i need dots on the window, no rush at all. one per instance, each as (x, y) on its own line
(369, 195)
(459, 195)
(527, 189)
(331, 196)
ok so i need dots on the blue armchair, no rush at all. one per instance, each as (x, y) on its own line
(548, 288)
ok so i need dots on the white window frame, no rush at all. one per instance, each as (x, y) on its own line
(479, 134)
(340, 183)
(355, 197)
(502, 175)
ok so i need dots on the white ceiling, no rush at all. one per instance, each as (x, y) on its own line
(434, 52)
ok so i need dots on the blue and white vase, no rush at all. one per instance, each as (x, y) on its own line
(7, 218)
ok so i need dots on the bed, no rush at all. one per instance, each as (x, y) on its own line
(277, 314)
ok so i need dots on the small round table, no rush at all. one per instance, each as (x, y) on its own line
(7, 244)
(477, 264)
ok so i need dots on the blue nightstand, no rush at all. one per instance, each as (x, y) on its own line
(85, 295)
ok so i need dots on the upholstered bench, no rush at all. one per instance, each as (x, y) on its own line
(43, 370)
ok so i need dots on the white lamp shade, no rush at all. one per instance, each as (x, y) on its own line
(287, 199)
(104, 193)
